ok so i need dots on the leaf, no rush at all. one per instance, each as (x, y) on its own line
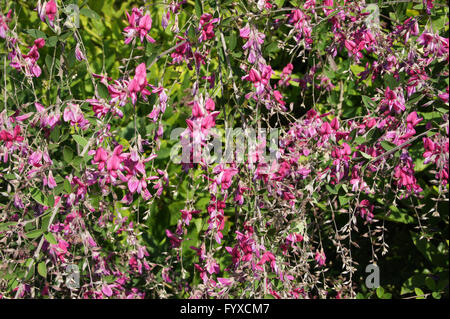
(42, 269)
(390, 81)
(67, 186)
(430, 283)
(38, 196)
(34, 233)
(50, 238)
(330, 189)
(436, 295)
(231, 41)
(36, 33)
(4, 226)
(103, 91)
(67, 154)
(387, 145)
(368, 102)
(380, 292)
(80, 140)
(427, 249)
(343, 200)
(367, 156)
(396, 215)
(51, 42)
(87, 12)
(198, 8)
(45, 220)
(419, 292)
(279, 3)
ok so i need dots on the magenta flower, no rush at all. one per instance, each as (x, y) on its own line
(139, 26)
(175, 240)
(50, 181)
(320, 258)
(9, 138)
(48, 9)
(268, 257)
(206, 27)
(259, 79)
(366, 209)
(394, 100)
(139, 83)
(4, 20)
(28, 63)
(74, 115)
(78, 54)
(254, 41)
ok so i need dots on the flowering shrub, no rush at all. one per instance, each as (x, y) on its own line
(99, 99)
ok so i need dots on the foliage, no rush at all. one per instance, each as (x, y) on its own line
(93, 91)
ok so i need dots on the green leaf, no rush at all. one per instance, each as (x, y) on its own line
(103, 91)
(4, 226)
(64, 36)
(34, 233)
(343, 200)
(80, 140)
(42, 269)
(367, 156)
(51, 42)
(198, 8)
(279, 3)
(231, 41)
(428, 250)
(368, 102)
(412, 282)
(36, 33)
(330, 189)
(50, 238)
(39, 197)
(67, 154)
(67, 186)
(390, 81)
(436, 295)
(387, 145)
(419, 292)
(396, 215)
(87, 12)
(431, 284)
(380, 292)
(45, 220)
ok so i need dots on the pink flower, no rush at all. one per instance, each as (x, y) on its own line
(139, 83)
(74, 115)
(366, 209)
(320, 258)
(50, 181)
(413, 119)
(206, 27)
(49, 10)
(225, 281)
(394, 100)
(268, 257)
(115, 160)
(107, 291)
(78, 54)
(139, 25)
(4, 20)
(175, 240)
(9, 138)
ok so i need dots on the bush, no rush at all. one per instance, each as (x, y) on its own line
(224, 149)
